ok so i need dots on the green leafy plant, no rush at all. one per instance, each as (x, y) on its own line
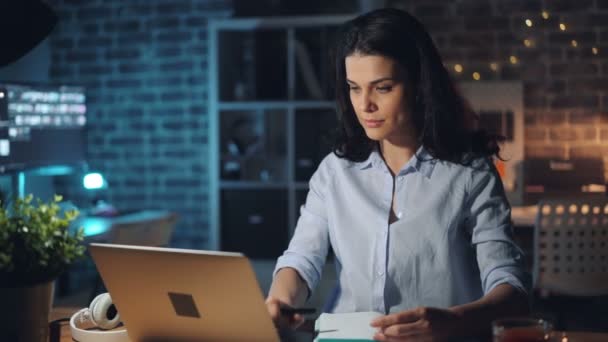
(35, 242)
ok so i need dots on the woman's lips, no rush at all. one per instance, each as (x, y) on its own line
(373, 123)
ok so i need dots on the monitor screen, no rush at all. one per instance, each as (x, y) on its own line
(41, 125)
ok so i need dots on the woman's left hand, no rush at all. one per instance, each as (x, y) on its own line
(419, 324)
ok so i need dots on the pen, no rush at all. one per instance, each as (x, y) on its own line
(293, 311)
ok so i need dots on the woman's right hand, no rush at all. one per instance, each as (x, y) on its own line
(282, 321)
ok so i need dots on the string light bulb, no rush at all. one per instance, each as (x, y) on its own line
(528, 42)
(594, 50)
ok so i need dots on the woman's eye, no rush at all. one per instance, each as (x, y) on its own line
(355, 89)
(384, 89)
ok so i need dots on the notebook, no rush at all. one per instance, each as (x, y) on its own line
(167, 294)
(352, 326)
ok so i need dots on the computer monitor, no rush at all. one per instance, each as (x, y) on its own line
(41, 125)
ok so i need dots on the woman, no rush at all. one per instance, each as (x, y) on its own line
(409, 200)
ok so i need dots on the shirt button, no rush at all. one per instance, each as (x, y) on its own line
(380, 272)
(399, 214)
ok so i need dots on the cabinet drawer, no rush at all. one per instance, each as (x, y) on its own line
(254, 222)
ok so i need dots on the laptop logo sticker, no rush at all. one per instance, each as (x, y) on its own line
(184, 305)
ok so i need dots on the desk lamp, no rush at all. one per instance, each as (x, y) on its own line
(94, 184)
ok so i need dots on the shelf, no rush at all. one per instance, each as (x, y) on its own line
(269, 117)
(252, 105)
(248, 24)
(254, 185)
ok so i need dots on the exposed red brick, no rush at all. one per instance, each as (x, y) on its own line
(535, 134)
(545, 151)
(604, 135)
(583, 118)
(559, 134)
(590, 151)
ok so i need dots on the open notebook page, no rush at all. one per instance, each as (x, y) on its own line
(353, 326)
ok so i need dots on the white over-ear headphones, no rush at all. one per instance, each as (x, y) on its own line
(91, 324)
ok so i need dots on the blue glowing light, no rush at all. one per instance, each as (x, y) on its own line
(93, 181)
(94, 226)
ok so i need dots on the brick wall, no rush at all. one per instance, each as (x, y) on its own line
(565, 87)
(144, 64)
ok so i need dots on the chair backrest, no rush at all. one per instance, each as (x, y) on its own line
(571, 246)
(147, 231)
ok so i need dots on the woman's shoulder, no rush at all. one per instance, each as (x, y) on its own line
(325, 173)
(471, 167)
(332, 166)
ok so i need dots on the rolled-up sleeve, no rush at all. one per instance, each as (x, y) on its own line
(309, 245)
(488, 221)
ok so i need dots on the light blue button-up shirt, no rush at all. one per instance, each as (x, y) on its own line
(451, 244)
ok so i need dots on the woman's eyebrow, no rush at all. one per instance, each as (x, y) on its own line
(375, 81)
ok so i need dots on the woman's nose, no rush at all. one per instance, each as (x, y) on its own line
(366, 103)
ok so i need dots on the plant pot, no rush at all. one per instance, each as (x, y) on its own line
(24, 316)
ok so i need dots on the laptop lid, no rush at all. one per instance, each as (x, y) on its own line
(184, 295)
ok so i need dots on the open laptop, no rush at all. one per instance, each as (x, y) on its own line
(167, 294)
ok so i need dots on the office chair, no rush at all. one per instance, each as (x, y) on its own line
(152, 232)
(571, 254)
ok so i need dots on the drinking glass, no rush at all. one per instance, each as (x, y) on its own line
(521, 329)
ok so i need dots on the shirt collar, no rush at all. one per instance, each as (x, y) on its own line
(422, 162)
(373, 159)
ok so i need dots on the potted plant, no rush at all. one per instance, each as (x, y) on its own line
(36, 246)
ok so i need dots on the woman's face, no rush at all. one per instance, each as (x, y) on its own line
(379, 95)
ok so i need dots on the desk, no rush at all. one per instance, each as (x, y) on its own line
(570, 336)
(98, 228)
(524, 216)
(57, 313)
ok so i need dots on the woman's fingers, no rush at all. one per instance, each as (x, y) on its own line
(274, 309)
(407, 329)
(296, 320)
(401, 317)
(281, 320)
(409, 338)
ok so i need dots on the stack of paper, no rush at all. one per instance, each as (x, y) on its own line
(341, 327)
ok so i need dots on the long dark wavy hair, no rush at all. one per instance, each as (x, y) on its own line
(440, 115)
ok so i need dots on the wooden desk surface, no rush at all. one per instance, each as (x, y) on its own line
(58, 313)
(562, 336)
(524, 216)
(98, 227)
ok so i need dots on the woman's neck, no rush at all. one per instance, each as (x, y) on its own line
(396, 155)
